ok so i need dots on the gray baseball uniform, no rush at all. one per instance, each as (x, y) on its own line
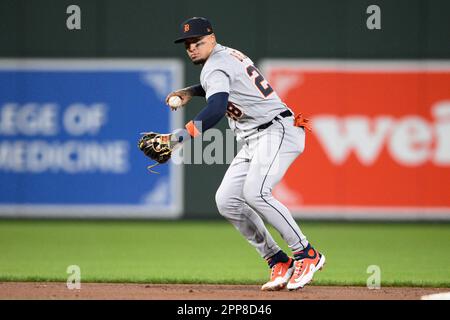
(245, 194)
(253, 101)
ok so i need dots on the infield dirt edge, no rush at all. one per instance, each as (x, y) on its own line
(131, 291)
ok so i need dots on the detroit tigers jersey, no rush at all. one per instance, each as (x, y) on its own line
(252, 101)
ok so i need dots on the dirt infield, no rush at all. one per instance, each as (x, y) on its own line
(54, 290)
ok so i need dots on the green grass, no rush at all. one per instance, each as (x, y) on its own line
(214, 252)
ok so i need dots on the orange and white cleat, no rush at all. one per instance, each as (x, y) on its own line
(308, 262)
(279, 275)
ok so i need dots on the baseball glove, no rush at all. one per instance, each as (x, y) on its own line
(157, 147)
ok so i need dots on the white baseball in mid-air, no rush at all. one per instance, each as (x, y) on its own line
(175, 101)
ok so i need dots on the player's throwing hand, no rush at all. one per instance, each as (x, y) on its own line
(184, 94)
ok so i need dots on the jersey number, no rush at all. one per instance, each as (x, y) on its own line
(259, 81)
(234, 112)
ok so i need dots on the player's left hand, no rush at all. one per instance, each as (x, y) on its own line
(157, 147)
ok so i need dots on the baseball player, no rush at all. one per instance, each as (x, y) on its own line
(273, 138)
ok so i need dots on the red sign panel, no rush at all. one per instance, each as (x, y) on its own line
(381, 137)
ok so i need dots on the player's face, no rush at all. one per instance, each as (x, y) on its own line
(199, 49)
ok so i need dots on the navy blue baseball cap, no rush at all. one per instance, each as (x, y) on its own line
(194, 27)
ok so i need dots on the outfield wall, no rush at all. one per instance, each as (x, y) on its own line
(380, 137)
(397, 168)
(69, 133)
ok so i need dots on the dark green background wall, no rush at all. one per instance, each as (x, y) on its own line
(411, 29)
